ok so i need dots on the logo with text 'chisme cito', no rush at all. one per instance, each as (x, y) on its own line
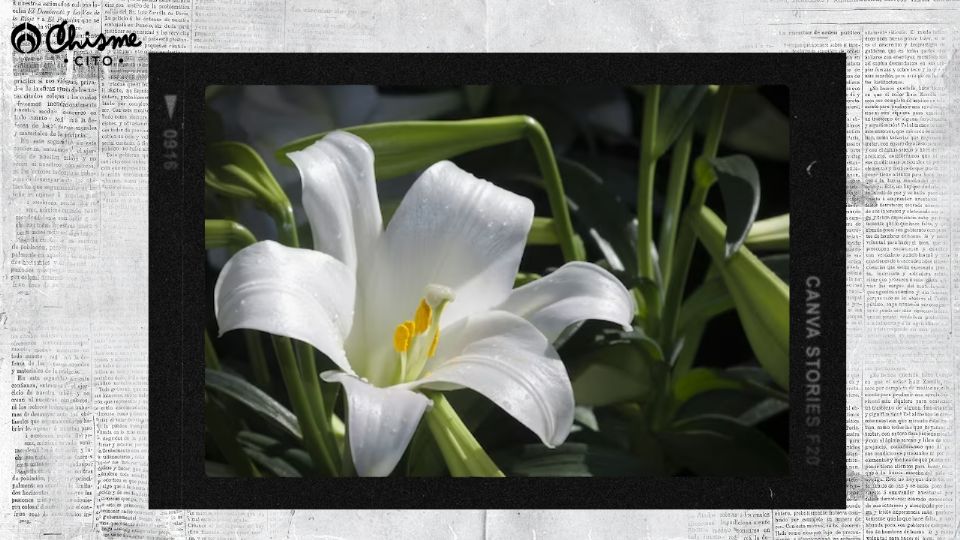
(27, 38)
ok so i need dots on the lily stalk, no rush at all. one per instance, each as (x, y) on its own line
(679, 165)
(648, 169)
(320, 453)
(686, 239)
(462, 453)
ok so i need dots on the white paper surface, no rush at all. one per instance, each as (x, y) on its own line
(73, 255)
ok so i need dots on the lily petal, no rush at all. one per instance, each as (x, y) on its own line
(505, 358)
(451, 229)
(340, 196)
(380, 422)
(575, 292)
(298, 293)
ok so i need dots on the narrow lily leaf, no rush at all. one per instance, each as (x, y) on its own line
(770, 234)
(276, 465)
(284, 449)
(226, 233)
(740, 186)
(255, 399)
(708, 301)
(223, 428)
(609, 225)
(405, 147)
(737, 392)
(701, 380)
(712, 297)
(762, 299)
(677, 107)
(543, 232)
(735, 449)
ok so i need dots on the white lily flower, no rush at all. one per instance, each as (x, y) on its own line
(425, 304)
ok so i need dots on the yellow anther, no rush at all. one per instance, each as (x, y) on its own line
(433, 344)
(402, 335)
(423, 317)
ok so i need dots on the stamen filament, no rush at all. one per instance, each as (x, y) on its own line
(416, 340)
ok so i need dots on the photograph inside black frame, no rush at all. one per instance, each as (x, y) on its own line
(497, 281)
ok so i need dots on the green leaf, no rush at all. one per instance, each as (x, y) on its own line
(740, 186)
(709, 300)
(714, 445)
(405, 147)
(677, 106)
(276, 465)
(712, 298)
(267, 446)
(701, 380)
(737, 392)
(223, 428)
(620, 372)
(762, 299)
(603, 214)
(770, 234)
(255, 399)
(570, 459)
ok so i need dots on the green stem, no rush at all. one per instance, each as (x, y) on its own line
(538, 139)
(308, 371)
(453, 455)
(286, 223)
(679, 162)
(686, 240)
(647, 177)
(258, 360)
(319, 453)
(209, 353)
(461, 451)
(287, 233)
(648, 168)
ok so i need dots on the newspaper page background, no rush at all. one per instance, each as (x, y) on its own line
(73, 254)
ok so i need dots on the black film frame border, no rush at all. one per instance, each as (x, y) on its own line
(816, 84)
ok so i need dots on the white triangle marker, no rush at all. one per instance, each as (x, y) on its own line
(171, 100)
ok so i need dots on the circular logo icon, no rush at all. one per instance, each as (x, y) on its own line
(25, 38)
